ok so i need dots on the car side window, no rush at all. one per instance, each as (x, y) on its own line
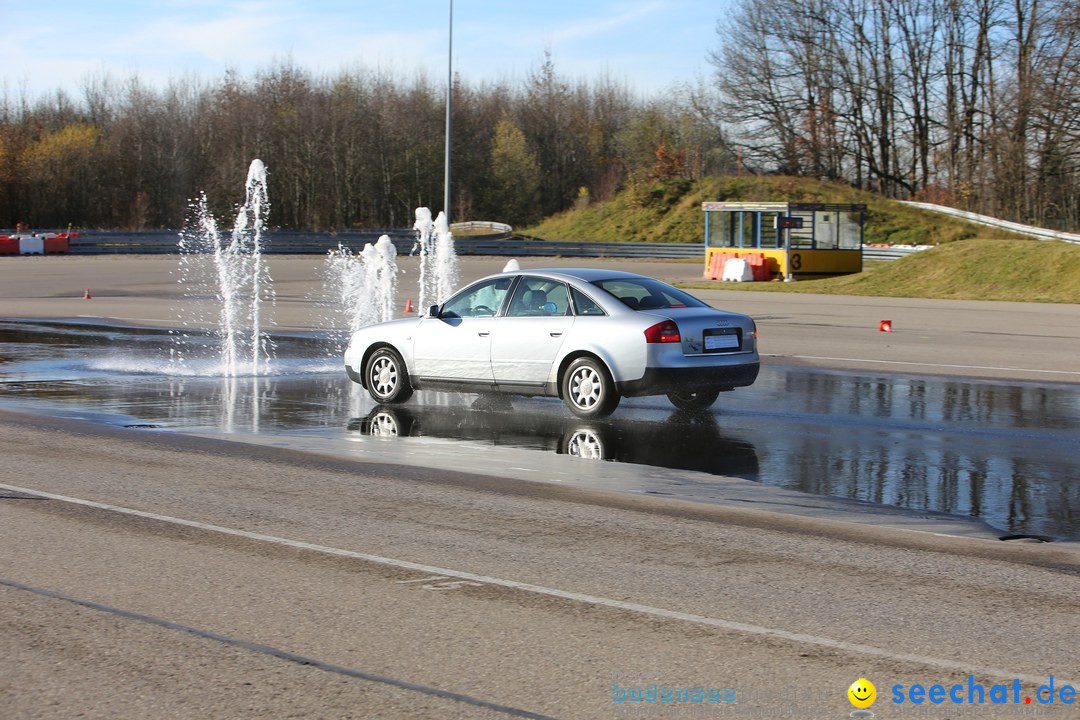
(584, 304)
(538, 297)
(482, 300)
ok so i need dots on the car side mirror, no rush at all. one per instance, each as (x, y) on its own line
(433, 311)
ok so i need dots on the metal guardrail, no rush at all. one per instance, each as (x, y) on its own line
(152, 242)
(404, 239)
(893, 252)
(559, 248)
(499, 243)
(1029, 230)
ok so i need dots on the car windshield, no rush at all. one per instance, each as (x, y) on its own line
(647, 294)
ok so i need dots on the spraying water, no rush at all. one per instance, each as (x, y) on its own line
(438, 261)
(231, 269)
(365, 284)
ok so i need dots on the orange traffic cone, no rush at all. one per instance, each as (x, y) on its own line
(408, 305)
(86, 295)
(885, 326)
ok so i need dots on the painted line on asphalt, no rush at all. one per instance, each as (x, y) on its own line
(274, 652)
(924, 364)
(719, 623)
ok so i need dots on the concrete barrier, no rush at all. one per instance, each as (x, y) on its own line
(31, 245)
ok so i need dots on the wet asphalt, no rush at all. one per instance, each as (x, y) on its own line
(1001, 453)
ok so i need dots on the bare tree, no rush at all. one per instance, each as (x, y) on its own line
(967, 101)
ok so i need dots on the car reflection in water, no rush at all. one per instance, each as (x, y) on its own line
(687, 440)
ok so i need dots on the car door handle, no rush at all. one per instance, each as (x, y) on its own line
(483, 333)
(555, 333)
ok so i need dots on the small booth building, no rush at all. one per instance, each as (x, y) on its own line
(784, 240)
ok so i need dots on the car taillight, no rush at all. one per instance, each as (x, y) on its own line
(664, 332)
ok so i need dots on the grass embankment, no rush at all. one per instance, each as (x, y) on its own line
(971, 262)
(671, 212)
(979, 269)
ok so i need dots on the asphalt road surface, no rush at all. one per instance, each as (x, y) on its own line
(158, 575)
(1004, 340)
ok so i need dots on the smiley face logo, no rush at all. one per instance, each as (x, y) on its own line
(862, 693)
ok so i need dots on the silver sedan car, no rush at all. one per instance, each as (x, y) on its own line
(588, 336)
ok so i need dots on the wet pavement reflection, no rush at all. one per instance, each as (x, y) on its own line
(1007, 454)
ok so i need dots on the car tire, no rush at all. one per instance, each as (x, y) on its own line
(585, 443)
(588, 390)
(696, 400)
(386, 376)
(385, 421)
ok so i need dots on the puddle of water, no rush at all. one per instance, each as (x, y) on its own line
(1003, 453)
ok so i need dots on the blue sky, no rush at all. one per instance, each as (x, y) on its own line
(648, 44)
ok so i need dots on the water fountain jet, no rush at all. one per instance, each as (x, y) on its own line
(364, 283)
(231, 269)
(438, 261)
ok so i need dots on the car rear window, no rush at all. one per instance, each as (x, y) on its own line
(647, 294)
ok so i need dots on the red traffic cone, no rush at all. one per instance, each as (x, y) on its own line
(86, 295)
(408, 305)
(885, 326)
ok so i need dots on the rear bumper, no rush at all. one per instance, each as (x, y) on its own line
(661, 381)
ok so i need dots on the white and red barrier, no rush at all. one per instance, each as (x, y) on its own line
(34, 244)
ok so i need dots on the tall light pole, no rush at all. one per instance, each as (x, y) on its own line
(449, 97)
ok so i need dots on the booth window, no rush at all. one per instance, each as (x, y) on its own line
(850, 230)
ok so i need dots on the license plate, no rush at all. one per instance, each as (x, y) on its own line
(721, 340)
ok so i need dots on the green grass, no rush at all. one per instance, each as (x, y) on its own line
(977, 269)
(671, 212)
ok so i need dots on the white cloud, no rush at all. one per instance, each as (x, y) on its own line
(593, 26)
